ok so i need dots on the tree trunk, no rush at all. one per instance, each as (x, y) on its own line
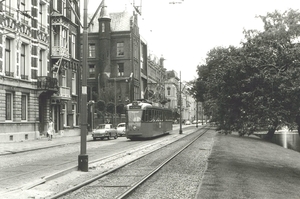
(299, 129)
(270, 134)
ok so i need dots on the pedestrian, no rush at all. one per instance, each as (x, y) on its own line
(50, 129)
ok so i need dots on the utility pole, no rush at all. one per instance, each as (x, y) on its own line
(202, 112)
(196, 114)
(180, 119)
(83, 157)
(115, 85)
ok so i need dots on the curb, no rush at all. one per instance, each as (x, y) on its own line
(34, 149)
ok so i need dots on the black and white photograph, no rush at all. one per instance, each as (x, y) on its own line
(149, 99)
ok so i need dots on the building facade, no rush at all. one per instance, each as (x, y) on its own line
(29, 85)
(156, 79)
(114, 73)
(172, 92)
(24, 46)
(64, 67)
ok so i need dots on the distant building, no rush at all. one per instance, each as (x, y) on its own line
(156, 80)
(172, 91)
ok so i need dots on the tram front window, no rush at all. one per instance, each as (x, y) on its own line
(134, 116)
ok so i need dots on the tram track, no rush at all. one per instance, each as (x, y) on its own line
(56, 166)
(123, 180)
(26, 188)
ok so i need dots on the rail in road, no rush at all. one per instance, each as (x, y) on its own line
(19, 180)
(125, 179)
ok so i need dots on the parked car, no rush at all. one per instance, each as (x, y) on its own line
(121, 129)
(187, 122)
(104, 131)
(194, 122)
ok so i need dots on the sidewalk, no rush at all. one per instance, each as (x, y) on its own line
(30, 145)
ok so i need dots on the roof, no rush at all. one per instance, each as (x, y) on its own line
(120, 21)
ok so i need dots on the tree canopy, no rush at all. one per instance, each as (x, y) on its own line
(255, 85)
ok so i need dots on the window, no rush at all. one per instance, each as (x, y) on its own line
(103, 27)
(8, 67)
(23, 62)
(64, 38)
(73, 45)
(121, 69)
(42, 66)
(24, 107)
(43, 15)
(7, 7)
(34, 67)
(91, 71)
(74, 111)
(169, 90)
(64, 114)
(22, 5)
(92, 50)
(9, 106)
(64, 78)
(54, 4)
(72, 13)
(135, 54)
(56, 36)
(63, 7)
(24, 8)
(120, 49)
(74, 83)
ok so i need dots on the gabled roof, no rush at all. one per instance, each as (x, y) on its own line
(120, 21)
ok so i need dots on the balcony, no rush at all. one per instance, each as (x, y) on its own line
(64, 93)
(58, 51)
(46, 83)
(61, 96)
(9, 74)
(25, 77)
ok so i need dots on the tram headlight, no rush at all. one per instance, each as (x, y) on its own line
(134, 127)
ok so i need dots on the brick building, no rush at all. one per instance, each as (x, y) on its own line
(114, 57)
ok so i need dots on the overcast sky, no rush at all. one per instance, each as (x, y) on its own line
(184, 33)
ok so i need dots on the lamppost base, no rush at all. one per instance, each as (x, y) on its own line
(83, 163)
(180, 131)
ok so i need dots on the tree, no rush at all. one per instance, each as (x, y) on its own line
(120, 109)
(256, 85)
(110, 108)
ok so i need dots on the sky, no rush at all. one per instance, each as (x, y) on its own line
(183, 33)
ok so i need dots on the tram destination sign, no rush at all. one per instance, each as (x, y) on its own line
(135, 107)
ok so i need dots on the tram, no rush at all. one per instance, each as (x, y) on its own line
(143, 120)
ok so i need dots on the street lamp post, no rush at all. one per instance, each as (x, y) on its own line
(83, 157)
(180, 119)
(202, 112)
(115, 85)
(197, 114)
